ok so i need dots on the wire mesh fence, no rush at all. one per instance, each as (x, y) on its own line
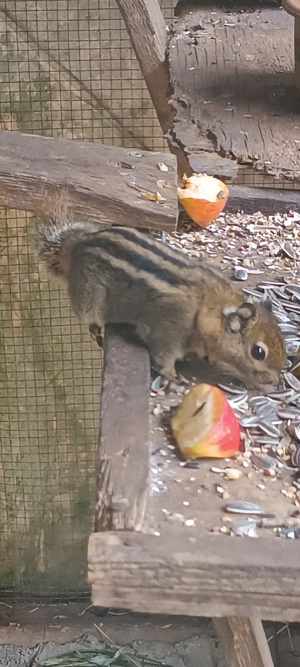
(50, 376)
(67, 69)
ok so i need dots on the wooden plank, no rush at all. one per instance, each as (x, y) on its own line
(268, 201)
(243, 642)
(218, 576)
(297, 51)
(293, 8)
(234, 95)
(147, 30)
(99, 183)
(123, 447)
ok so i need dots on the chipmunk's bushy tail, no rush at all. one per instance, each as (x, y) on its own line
(57, 237)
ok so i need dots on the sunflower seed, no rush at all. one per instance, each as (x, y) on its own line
(249, 421)
(231, 388)
(293, 289)
(295, 459)
(268, 428)
(292, 381)
(286, 328)
(266, 284)
(191, 464)
(266, 410)
(252, 292)
(294, 306)
(243, 507)
(265, 440)
(238, 400)
(159, 384)
(263, 461)
(288, 413)
(280, 393)
(261, 400)
(291, 348)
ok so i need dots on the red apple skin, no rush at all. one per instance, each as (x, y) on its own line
(222, 436)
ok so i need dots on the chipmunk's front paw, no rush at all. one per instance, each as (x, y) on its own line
(96, 334)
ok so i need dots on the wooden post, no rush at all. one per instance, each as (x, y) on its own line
(243, 642)
(292, 7)
(147, 30)
(297, 51)
(123, 447)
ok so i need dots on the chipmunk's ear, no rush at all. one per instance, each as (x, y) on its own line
(238, 318)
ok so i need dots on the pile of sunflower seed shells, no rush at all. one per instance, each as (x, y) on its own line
(262, 245)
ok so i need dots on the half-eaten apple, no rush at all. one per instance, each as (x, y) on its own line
(205, 424)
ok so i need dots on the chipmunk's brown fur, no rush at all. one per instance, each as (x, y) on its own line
(176, 305)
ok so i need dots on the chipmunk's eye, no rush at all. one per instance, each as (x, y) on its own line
(259, 352)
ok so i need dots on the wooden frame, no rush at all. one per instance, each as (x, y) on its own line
(214, 577)
(147, 30)
(237, 584)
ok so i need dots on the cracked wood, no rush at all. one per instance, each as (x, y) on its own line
(234, 94)
(99, 183)
(216, 577)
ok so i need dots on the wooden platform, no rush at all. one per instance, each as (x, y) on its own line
(148, 559)
(234, 95)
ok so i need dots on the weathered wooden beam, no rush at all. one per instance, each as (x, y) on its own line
(221, 119)
(267, 200)
(147, 30)
(293, 7)
(100, 183)
(123, 444)
(243, 642)
(297, 50)
(214, 577)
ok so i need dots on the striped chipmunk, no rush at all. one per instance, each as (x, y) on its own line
(176, 305)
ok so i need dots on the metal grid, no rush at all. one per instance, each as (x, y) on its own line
(60, 75)
(49, 414)
(67, 69)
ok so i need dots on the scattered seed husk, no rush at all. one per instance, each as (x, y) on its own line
(191, 464)
(245, 527)
(233, 473)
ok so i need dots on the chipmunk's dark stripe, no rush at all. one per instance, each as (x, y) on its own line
(166, 253)
(134, 259)
(103, 263)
